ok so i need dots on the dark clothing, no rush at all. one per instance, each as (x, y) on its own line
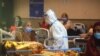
(2, 50)
(72, 32)
(93, 44)
(91, 49)
(26, 36)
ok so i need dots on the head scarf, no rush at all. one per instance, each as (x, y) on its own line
(51, 17)
(96, 24)
(97, 41)
(64, 18)
(93, 43)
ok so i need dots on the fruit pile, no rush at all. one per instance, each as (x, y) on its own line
(22, 45)
(37, 48)
(60, 53)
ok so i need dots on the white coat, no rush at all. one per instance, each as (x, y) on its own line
(57, 30)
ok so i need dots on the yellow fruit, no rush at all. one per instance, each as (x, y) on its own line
(15, 44)
(8, 44)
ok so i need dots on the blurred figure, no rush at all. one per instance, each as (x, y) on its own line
(88, 34)
(28, 33)
(57, 31)
(44, 24)
(13, 30)
(28, 27)
(64, 18)
(71, 30)
(93, 44)
(90, 31)
(69, 25)
(18, 21)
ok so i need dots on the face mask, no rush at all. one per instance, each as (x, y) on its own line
(28, 29)
(64, 19)
(97, 35)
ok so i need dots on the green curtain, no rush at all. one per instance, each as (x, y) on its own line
(6, 13)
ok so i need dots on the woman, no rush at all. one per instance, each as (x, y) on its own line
(68, 24)
(64, 18)
(28, 33)
(93, 44)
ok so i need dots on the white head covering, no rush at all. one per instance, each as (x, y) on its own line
(57, 30)
(51, 17)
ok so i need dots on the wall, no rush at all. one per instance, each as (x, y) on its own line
(21, 8)
(77, 10)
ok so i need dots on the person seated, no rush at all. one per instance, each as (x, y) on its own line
(28, 34)
(71, 30)
(93, 43)
(13, 29)
(69, 25)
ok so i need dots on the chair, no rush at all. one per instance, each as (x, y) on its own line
(80, 43)
(71, 41)
(41, 34)
(80, 26)
(51, 44)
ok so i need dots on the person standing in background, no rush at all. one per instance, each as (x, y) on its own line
(64, 18)
(57, 31)
(43, 24)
